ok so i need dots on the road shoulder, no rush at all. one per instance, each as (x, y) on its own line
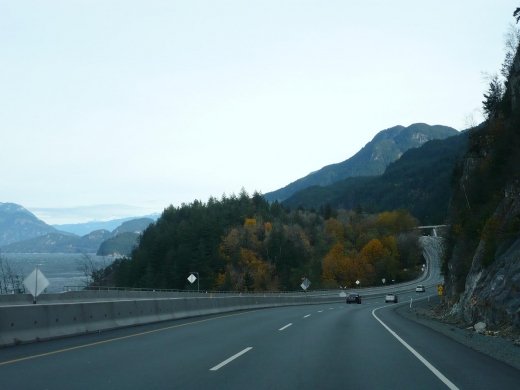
(502, 349)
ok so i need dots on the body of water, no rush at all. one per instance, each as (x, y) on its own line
(62, 269)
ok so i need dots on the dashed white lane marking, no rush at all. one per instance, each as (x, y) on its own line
(319, 311)
(331, 308)
(308, 315)
(436, 372)
(230, 359)
(286, 326)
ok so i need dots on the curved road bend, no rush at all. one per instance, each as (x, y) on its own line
(312, 347)
(330, 346)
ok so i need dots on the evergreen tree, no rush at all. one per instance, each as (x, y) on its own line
(248, 283)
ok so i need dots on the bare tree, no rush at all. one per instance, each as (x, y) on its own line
(92, 271)
(11, 277)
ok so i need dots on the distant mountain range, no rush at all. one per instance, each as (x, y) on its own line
(345, 184)
(387, 146)
(84, 228)
(22, 232)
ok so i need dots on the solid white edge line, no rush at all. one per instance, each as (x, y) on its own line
(437, 373)
(230, 359)
(308, 315)
(286, 326)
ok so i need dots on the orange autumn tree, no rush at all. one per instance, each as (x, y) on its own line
(374, 251)
(383, 256)
(345, 270)
(360, 269)
(335, 265)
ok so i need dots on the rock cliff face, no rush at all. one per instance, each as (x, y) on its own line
(492, 294)
(482, 273)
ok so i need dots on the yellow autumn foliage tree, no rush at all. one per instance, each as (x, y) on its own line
(334, 265)
(258, 268)
(374, 251)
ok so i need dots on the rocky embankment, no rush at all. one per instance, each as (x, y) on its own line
(492, 293)
(502, 344)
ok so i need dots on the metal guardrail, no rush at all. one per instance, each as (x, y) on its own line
(104, 288)
(353, 289)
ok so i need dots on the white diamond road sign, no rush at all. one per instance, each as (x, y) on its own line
(192, 278)
(306, 283)
(357, 281)
(36, 282)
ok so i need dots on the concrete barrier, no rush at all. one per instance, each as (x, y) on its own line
(125, 313)
(97, 315)
(19, 324)
(64, 320)
(29, 323)
(164, 309)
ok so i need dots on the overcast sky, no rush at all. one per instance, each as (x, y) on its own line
(151, 103)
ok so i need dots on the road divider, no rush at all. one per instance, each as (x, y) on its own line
(25, 323)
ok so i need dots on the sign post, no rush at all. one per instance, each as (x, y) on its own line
(358, 283)
(384, 282)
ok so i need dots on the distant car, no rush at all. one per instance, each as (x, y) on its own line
(420, 288)
(354, 298)
(391, 298)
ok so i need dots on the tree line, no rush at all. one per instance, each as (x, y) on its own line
(246, 243)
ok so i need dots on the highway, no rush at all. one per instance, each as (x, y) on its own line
(302, 347)
(325, 346)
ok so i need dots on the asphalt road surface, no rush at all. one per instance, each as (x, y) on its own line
(330, 346)
(336, 346)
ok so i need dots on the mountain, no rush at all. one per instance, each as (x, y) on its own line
(387, 146)
(133, 226)
(18, 224)
(120, 245)
(419, 182)
(124, 238)
(84, 228)
(59, 243)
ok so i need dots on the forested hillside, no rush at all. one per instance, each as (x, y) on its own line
(245, 243)
(387, 146)
(418, 182)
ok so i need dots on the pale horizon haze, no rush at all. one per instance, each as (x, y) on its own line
(121, 108)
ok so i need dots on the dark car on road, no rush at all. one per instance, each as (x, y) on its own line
(391, 298)
(354, 298)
